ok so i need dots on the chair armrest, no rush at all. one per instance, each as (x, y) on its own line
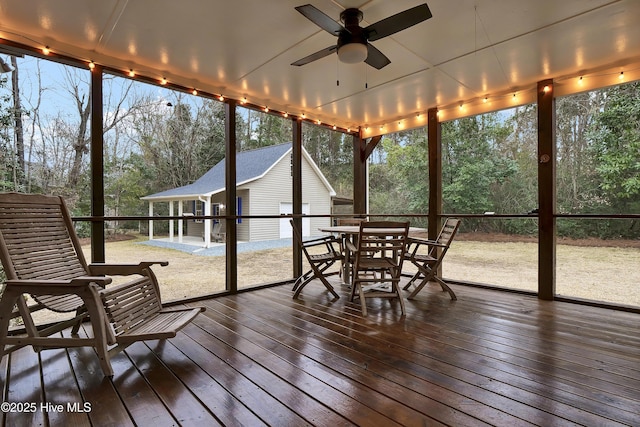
(321, 240)
(328, 241)
(31, 284)
(414, 243)
(123, 269)
(419, 241)
(350, 246)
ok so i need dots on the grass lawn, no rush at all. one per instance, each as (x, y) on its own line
(597, 273)
(601, 273)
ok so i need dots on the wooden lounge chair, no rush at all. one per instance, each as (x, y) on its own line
(319, 262)
(427, 256)
(378, 255)
(42, 257)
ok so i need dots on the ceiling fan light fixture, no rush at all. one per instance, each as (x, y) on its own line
(352, 53)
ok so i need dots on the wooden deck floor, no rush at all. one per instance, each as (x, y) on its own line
(261, 358)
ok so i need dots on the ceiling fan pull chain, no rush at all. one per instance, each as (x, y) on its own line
(366, 78)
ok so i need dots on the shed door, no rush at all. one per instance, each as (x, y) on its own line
(285, 227)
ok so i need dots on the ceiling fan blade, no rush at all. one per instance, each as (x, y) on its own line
(315, 56)
(321, 19)
(375, 58)
(398, 22)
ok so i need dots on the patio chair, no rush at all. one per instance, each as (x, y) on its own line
(427, 256)
(42, 257)
(378, 261)
(319, 262)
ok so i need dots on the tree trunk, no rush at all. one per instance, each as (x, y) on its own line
(80, 146)
(19, 132)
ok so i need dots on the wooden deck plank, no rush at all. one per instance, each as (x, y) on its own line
(220, 402)
(140, 399)
(107, 408)
(371, 342)
(24, 385)
(178, 399)
(324, 385)
(268, 324)
(262, 358)
(64, 400)
(238, 382)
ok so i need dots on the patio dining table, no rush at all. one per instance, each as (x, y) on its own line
(349, 232)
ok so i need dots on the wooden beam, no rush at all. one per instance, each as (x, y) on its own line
(97, 167)
(230, 183)
(546, 191)
(360, 189)
(296, 172)
(434, 138)
(370, 146)
(361, 151)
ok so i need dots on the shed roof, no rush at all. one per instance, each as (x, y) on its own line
(250, 166)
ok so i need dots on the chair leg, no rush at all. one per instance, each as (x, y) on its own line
(298, 286)
(98, 324)
(446, 287)
(363, 300)
(421, 285)
(328, 286)
(396, 287)
(7, 302)
(410, 282)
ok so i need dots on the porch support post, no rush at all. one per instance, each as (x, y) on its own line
(207, 223)
(546, 190)
(230, 199)
(180, 221)
(296, 172)
(434, 140)
(360, 189)
(361, 151)
(151, 221)
(97, 167)
(171, 231)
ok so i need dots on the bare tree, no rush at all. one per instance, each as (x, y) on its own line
(19, 177)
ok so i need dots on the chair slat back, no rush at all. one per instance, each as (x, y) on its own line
(130, 305)
(37, 241)
(448, 232)
(349, 221)
(386, 239)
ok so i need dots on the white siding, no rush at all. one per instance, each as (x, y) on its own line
(275, 187)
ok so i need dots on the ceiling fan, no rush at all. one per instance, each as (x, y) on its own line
(354, 41)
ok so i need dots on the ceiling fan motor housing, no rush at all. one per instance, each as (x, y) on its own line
(347, 51)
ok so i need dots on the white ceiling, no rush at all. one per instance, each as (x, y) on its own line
(243, 48)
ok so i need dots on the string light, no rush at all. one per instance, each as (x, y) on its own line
(46, 50)
(92, 65)
(334, 127)
(221, 98)
(486, 99)
(195, 92)
(285, 114)
(546, 89)
(621, 76)
(266, 109)
(163, 81)
(244, 100)
(131, 73)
